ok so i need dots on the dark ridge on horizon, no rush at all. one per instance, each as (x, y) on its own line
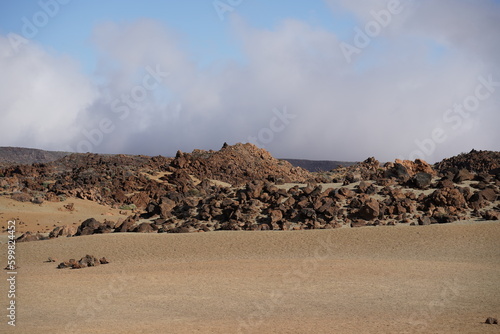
(319, 165)
(27, 156)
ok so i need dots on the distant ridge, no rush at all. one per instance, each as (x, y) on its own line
(26, 156)
(319, 165)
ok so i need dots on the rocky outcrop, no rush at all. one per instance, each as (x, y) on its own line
(238, 188)
(474, 161)
(88, 227)
(421, 180)
(417, 166)
(239, 164)
(63, 231)
(86, 261)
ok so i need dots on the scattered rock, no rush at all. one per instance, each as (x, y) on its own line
(463, 175)
(491, 321)
(88, 227)
(29, 236)
(63, 231)
(491, 215)
(422, 180)
(21, 197)
(11, 267)
(424, 220)
(369, 210)
(69, 207)
(399, 172)
(235, 188)
(86, 261)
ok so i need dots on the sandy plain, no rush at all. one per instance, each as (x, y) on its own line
(386, 279)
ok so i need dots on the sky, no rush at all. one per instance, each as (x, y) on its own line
(317, 79)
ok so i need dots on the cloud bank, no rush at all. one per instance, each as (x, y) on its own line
(295, 94)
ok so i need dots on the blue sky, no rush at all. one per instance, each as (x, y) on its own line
(349, 93)
(197, 22)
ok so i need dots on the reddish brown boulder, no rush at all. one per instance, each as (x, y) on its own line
(63, 231)
(417, 166)
(398, 171)
(487, 194)
(424, 220)
(69, 207)
(145, 228)
(166, 207)
(369, 210)
(448, 197)
(491, 215)
(88, 227)
(359, 223)
(127, 225)
(343, 193)
(276, 215)
(463, 175)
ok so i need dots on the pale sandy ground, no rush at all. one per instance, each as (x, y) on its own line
(43, 218)
(412, 279)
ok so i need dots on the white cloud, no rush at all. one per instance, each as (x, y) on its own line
(42, 95)
(393, 95)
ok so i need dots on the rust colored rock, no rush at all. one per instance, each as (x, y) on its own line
(358, 223)
(345, 192)
(166, 206)
(488, 195)
(474, 161)
(127, 225)
(448, 197)
(69, 207)
(417, 166)
(88, 227)
(491, 215)
(369, 210)
(145, 228)
(276, 215)
(63, 231)
(463, 175)
(239, 164)
(424, 220)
